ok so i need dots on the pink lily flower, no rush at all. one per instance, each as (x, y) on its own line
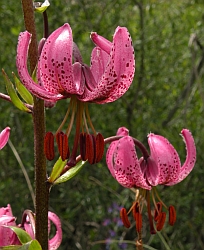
(163, 166)
(4, 136)
(8, 237)
(107, 79)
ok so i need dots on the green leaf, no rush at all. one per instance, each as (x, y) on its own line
(42, 7)
(57, 169)
(24, 93)
(70, 173)
(31, 245)
(22, 235)
(34, 245)
(10, 247)
(12, 93)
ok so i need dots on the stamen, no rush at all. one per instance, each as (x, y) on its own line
(73, 106)
(124, 217)
(99, 147)
(82, 144)
(161, 221)
(49, 146)
(138, 222)
(135, 209)
(89, 118)
(80, 107)
(157, 195)
(85, 122)
(63, 147)
(137, 216)
(65, 118)
(172, 215)
(158, 210)
(152, 230)
(91, 148)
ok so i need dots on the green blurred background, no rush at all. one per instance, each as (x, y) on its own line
(167, 95)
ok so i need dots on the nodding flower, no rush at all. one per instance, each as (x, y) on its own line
(161, 167)
(8, 236)
(62, 74)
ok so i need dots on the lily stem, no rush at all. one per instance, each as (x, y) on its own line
(41, 187)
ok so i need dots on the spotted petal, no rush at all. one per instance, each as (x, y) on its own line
(119, 68)
(21, 63)
(166, 158)
(121, 132)
(190, 156)
(124, 165)
(56, 63)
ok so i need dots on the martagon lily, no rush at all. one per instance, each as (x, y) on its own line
(62, 74)
(8, 237)
(161, 167)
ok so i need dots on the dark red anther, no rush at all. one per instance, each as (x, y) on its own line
(82, 144)
(63, 147)
(135, 210)
(158, 210)
(124, 217)
(49, 146)
(137, 216)
(161, 221)
(139, 222)
(91, 148)
(99, 147)
(172, 215)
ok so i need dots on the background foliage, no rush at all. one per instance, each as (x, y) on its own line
(166, 96)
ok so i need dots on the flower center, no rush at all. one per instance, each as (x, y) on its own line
(156, 217)
(90, 146)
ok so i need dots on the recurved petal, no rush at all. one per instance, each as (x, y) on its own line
(109, 157)
(166, 157)
(28, 228)
(56, 62)
(101, 42)
(55, 242)
(21, 63)
(126, 165)
(122, 131)
(190, 156)
(119, 71)
(4, 136)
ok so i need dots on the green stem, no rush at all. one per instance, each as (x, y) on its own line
(41, 188)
